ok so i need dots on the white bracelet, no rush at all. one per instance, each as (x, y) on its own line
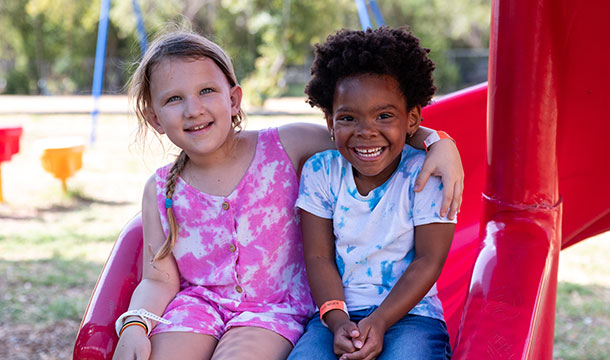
(142, 314)
(434, 137)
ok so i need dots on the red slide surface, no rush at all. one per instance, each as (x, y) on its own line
(538, 184)
(535, 151)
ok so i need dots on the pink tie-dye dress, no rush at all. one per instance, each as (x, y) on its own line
(240, 256)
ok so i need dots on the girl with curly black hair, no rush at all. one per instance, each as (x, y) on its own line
(374, 247)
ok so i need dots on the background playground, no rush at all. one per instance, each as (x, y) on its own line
(52, 244)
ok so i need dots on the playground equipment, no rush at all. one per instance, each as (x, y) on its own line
(100, 56)
(542, 123)
(63, 157)
(9, 145)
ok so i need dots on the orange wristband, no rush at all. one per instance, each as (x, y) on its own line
(332, 305)
(434, 137)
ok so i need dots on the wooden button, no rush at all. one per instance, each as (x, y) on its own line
(225, 205)
(239, 289)
(232, 248)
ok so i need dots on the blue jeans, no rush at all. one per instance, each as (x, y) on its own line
(412, 337)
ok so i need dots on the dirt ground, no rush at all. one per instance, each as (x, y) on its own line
(29, 342)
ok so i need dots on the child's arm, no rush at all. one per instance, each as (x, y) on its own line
(160, 281)
(443, 160)
(432, 243)
(324, 278)
(301, 140)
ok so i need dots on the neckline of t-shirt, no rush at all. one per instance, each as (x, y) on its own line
(351, 183)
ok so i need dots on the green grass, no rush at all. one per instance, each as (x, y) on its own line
(45, 291)
(582, 322)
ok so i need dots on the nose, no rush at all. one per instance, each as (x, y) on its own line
(366, 128)
(193, 107)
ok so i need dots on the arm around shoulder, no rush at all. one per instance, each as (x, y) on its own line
(302, 140)
(443, 159)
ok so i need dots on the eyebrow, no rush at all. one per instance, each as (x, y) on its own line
(375, 109)
(385, 107)
(208, 84)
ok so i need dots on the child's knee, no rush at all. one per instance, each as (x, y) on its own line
(248, 342)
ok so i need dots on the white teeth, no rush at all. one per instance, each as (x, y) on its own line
(371, 152)
(198, 127)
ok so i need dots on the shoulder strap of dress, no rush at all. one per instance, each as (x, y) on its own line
(162, 173)
(272, 135)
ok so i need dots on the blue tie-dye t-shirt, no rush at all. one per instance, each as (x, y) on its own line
(374, 233)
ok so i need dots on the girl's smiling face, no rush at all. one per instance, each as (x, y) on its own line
(193, 102)
(370, 121)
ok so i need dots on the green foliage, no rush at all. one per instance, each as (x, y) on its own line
(48, 39)
(48, 46)
(442, 25)
(18, 82)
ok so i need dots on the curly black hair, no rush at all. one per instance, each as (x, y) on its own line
(385, 51)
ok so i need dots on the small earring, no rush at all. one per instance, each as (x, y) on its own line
(332, 135)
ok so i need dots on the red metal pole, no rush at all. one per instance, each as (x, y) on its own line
(510, 308)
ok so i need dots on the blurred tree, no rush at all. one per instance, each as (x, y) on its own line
(443, 25)
(47, 38)
(47, 46)
(288, 29)
(18, 34)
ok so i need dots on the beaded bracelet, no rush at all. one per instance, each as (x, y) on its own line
(133, 322)
(143, 315)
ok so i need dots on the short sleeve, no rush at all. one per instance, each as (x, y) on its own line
(427, 204)
(315, 195)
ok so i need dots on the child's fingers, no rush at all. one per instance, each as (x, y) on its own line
(366, 353)
(343, 345)
(359, 341)
(457, 199)
(371, 340)
(422, 178)
(448, 193)
(355, 334)
(343, 338)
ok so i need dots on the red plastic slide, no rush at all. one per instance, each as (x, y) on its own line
(535, 149)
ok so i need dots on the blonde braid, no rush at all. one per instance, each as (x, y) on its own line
(168, 245)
